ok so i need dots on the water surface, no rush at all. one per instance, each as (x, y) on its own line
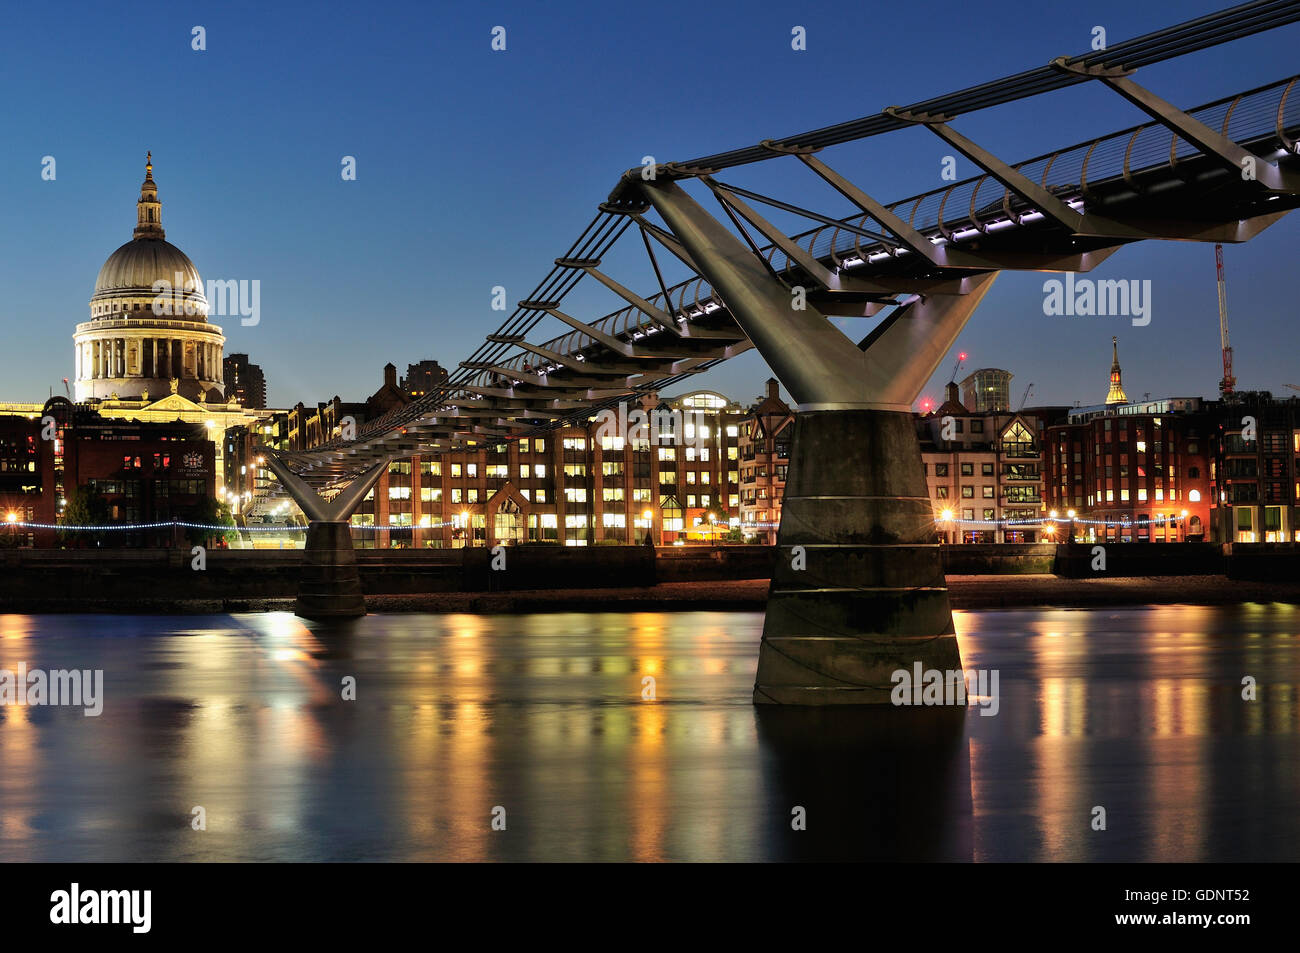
(1137, 710)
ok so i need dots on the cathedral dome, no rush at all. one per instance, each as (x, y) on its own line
(148, 332)
(142, 261)
(127, 280)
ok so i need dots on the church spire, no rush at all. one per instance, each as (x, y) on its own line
(1116, 394)
(148, 210)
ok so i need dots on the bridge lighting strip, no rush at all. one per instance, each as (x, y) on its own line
(1049, 519)
(229, 529)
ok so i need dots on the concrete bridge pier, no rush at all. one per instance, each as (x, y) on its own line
(330, 584)
(859, 589)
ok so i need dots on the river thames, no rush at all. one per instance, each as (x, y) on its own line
(542, 722)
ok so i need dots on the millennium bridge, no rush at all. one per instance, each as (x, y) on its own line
(860, 590)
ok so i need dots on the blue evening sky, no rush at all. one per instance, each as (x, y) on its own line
(476, 168)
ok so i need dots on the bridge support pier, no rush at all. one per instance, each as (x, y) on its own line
(859, 590)
(330, 584)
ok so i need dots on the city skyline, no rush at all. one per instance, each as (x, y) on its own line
(353, 278)
(598, 434)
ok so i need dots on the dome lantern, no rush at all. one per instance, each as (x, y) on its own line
(148, 210)
(148, 326)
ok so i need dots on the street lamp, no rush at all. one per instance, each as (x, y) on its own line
(945, 517)
(649, 517)
(1071, 514)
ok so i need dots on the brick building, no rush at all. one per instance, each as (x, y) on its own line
(1142, 466)
(1255, 467)
(765, 436)
(145, 472)
(983, 471)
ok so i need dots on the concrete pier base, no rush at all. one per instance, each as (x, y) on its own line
(859, 589)
(330, 585)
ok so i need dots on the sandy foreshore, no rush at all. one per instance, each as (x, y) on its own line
(967, 592)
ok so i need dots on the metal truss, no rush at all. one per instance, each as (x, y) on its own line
(929, 257)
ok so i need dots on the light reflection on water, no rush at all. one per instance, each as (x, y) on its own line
(1137, 710)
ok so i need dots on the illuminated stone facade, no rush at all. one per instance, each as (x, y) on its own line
(146, 339)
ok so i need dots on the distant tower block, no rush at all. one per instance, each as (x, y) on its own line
(987, 391)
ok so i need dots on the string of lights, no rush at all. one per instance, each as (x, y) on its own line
(120, 527)
(1061, 520)
(1036, 521)
(939, 521)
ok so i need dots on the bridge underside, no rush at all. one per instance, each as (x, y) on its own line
(330, 584)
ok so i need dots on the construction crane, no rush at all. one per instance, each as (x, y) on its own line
(1024, 397)
(1229, 382)
(961, 359)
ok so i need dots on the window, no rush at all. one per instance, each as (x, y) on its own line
(986, 469)
(941, 493)
(941, 469)
(968, 493)
(968, 469)
(1017, 441)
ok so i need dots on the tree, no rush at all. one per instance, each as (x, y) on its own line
(86, 506)
(210, 512)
